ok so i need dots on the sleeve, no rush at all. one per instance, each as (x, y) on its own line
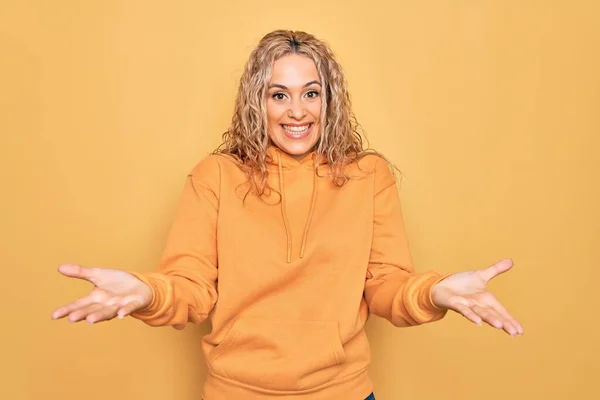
(393, 290)
(184, 286)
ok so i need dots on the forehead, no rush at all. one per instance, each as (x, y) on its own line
(294, 70)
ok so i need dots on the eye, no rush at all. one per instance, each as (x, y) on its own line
(279, 96)
(312, 94)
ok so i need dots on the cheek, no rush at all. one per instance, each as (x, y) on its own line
(274, 113)
(315, 110)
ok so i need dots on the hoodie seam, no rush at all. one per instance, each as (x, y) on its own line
(219, 187)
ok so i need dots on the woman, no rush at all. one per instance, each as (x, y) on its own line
(290, 236)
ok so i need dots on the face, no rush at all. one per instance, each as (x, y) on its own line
(294, 105)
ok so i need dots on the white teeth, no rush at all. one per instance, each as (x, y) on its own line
(296, 129)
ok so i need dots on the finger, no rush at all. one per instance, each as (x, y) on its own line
(496, 269)
(506, 315)
(116, 300)
(82, 313)
(69, 308)
(507, 326)
(104, 314)
(488, 317)
(77, 271)
(468, 313)
(129, 308)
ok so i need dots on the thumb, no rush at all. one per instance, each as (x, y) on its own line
(77, 271)
(496, 269)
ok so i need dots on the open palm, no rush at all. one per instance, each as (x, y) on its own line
(116, 293)
(466, 293)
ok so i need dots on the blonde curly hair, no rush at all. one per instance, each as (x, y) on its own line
(247, 139)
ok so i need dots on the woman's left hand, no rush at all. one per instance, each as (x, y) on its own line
(466, 293)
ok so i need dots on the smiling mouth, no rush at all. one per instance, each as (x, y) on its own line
(297, 131)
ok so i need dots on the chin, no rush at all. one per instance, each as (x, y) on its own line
(296, 152)
(297, 149)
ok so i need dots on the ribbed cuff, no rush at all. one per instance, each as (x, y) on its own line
(423, 309)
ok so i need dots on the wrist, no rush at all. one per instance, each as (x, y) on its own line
(436, 297)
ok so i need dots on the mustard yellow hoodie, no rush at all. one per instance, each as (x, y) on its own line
(289, 283)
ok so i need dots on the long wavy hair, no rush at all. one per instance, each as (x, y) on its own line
(247, 139)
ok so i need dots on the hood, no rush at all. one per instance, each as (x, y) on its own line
(275, 156)
(278, 161)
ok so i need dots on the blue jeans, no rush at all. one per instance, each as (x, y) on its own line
(371, 397)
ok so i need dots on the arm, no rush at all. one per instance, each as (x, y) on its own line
(393, 290)
(184, 286)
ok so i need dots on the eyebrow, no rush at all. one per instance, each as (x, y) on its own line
(285, 88)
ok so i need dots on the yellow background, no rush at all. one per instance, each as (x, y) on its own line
(490, 108)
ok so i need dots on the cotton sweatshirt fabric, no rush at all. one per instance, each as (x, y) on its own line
(289, 281)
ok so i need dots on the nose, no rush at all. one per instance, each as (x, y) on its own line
(296, 110)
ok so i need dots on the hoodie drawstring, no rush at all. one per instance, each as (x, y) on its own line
(312, 206)
(311, 210)
(286, 223)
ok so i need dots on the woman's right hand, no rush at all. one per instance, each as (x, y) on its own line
(116, 293)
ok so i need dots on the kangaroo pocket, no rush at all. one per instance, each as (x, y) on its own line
(279, 354)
